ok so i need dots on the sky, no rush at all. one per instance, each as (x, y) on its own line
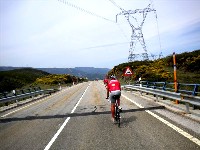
(85, 33)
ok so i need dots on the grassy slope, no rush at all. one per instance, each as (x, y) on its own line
(18, 78)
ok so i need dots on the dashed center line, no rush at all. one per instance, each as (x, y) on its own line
(65, 122)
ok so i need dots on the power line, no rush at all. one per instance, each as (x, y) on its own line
(160, 55)
(107, 45)
(116, 5)
(85, 11)
(157, 28)
(122, 31)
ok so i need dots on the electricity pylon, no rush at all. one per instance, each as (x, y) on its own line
(137, 35)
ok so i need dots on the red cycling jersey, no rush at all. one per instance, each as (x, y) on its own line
(114, 85)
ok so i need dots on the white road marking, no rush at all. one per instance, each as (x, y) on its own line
(34, 103)
(22, 108)
(185, 134)
(65, 122)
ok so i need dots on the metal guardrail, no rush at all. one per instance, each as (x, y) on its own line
(187, 99)
(18, 92)
(25, 95)
(184, 88)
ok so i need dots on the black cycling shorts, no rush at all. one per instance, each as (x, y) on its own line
(114, 95)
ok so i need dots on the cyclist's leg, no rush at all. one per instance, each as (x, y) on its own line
(112, 100)
(107, 92)
(113, 110)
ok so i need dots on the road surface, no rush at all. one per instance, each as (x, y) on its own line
(79, 117)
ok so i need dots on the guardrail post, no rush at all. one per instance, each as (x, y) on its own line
(22, 91)
(187, 108)
(29, 90)
(195, 94)
(164, 86)
(140, 84)
(147, 84)
(195, 90)
(4, 94)
(154, 87)
(178, 87)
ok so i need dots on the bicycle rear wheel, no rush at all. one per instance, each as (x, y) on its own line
(117, 116)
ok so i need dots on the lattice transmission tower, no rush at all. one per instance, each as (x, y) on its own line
(136, 26)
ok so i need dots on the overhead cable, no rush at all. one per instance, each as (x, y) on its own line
(152, 3)
(107, 45)
(116, 4)
(116, 21)
(85, 11)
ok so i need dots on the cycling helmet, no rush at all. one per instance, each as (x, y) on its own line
(112, 77)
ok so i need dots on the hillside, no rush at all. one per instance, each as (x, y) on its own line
(188, 61)
(29, 77)
(18, 78)
(90, 72)
(188, 69)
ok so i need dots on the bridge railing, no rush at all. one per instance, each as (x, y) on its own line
(10, 97)
(188, 93)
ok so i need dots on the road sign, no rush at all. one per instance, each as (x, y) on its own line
(128, 72)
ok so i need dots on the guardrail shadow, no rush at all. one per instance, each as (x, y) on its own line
(93, 113)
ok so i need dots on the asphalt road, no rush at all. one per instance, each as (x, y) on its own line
(79, 118)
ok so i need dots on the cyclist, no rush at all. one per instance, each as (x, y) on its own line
(106, 85)
(114, 88)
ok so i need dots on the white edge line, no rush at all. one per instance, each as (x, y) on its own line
(35, 102)
(65, 122)
(22, 108)
(185, 134)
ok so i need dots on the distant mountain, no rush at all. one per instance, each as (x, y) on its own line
(7, 68)
(90, 72)
(93, 70)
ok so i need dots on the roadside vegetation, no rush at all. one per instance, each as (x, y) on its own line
(55, 79)
(28, 78)
(188, 69)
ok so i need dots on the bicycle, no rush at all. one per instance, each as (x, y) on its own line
(117, 111)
